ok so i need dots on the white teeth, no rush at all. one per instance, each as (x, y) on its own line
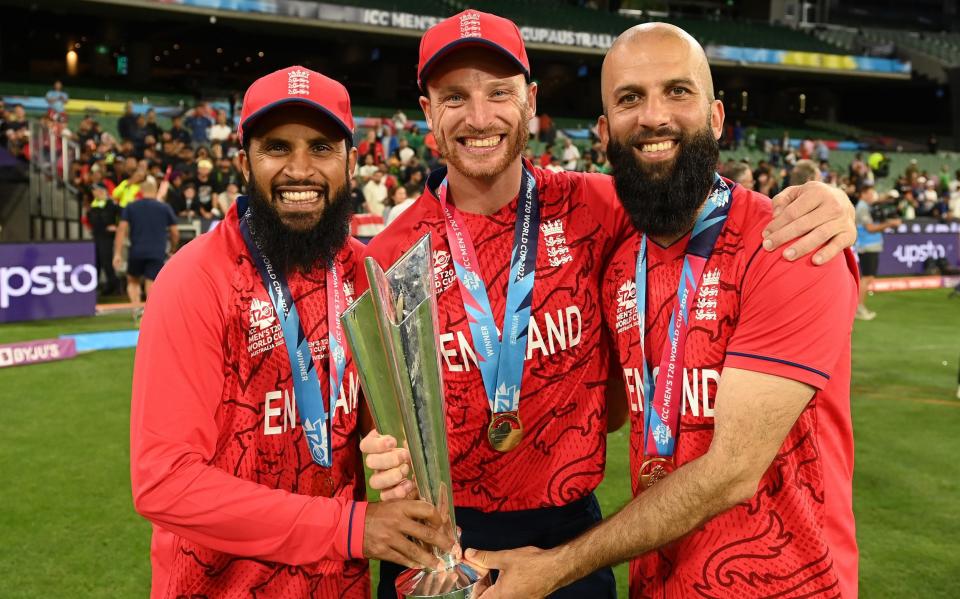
(657, 147)
(299, 196)
(486, 142)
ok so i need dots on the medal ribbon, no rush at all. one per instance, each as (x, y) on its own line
(501, 364)
(317, 422)
(661, 398)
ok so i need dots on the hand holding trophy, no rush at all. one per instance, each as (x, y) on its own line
(392, 332)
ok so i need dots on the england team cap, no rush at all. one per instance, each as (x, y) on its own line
(471, 28)
(297, 85)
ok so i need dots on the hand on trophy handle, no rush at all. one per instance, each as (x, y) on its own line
(391, 467)
(402, 532)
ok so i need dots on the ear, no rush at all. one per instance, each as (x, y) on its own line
(427, 112)
(716, 118)
(244, 162)
(352, 161)
(532, 100)
(603, 130)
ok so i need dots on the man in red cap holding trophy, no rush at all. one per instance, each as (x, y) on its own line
(519, 255)
(244, 421)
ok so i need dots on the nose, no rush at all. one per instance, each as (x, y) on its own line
(653, 113)
(479, 115)
(299, 165)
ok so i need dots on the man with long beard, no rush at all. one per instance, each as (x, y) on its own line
(520, 250)
(737, 365)
(244, 423)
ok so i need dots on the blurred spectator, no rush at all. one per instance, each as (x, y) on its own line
(396, 204)
(203, 182)
(872, 219)
(16, 131)
(228, 197)
(375, 194)
(152, 126)
(57, 102)
(740, 173)
(546, 156)
(220, 131)
(103, 216)
(821, 151)
(368, 168)
(371, 146)
(803, 171)
(356, 196)
(571, 155)
(555, 165)
(127, 122)
(129, 189)
(178, 132)
(547, 131)
(404, 152)
(149, 223)
(198, 122)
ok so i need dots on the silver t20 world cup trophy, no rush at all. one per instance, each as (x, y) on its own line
(392, 332)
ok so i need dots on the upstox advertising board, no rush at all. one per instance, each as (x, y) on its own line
(39, 281)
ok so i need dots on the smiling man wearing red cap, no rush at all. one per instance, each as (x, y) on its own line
(521, 250)
(244, 420)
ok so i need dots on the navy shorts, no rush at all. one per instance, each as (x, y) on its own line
(545, 528)
(144, 267)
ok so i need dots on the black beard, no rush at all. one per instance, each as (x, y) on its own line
(303, 249)
(663, 199)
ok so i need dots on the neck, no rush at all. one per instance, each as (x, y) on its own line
(668, 239)
(484, 195)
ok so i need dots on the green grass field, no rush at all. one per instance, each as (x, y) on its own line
(69, 529)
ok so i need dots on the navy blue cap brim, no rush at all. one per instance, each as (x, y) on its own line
(348, 133)
(468, 41)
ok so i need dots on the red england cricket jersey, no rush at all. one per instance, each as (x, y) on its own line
(562, 405)
(753, 311)
(219, 462)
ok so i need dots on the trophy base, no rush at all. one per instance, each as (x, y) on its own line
(459, 582)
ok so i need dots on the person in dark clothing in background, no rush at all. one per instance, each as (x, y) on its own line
(103, 216)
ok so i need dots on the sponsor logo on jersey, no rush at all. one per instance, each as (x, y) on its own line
(558, 253)
(265, 332)
(444, 275)
(627, 316)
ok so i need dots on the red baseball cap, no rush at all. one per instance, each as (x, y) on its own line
(297, 85)
(471, 28)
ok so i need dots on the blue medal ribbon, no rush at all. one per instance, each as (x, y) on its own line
(316, 420)
(501, 364)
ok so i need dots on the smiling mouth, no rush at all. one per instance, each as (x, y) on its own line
(298, 198)
(660, 146)
(481, 142)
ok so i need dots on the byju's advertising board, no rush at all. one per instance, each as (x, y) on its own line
(40, 281)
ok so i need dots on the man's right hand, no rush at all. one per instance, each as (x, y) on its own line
(393, 527)
(390, 465)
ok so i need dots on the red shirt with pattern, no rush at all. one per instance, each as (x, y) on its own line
(562, 406)
(218, 459)
(753, 311)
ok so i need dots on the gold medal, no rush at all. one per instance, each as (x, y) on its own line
(653, 470)
(505, 431)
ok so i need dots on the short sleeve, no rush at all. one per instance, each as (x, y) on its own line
(795, 318)
(863, 214)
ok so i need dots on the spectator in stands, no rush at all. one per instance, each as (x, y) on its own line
(375, 194)
(803, 171)
(738, 134)
(224, 175)
(203, 181)
(371, 146)
(766, 183)
(57, 102)
(103, 216)
(932, 143)
(415, 182)
(128, 190)
(357, 200)
(396, 204)
(870, 227)
(546, 156)
(413, 167)
(547, 131)
(149, 224)
(571, 155)
(198, 122)
(178, 132)
(228, 197)
(740, 173)
(220, 131)
(416, 139)
(404, 152)
(16, 130)
(175, 196)
(533, 126)
(369, 167)
(555, 165)
(127, 122)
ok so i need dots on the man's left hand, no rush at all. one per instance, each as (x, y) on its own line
(526, 572)
(814, 214)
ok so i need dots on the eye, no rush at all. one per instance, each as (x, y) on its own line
(630, 98)
(320, 147)
(679, 91)
(274, 147)
(453, 99)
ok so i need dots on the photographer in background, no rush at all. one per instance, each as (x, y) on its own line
(873, 217)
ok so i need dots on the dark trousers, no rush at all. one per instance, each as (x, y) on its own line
(544, 528)
(104, 250)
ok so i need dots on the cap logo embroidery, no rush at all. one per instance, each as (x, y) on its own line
(298, 83)
(470, 25)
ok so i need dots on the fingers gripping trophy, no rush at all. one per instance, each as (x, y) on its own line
(392, 332)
